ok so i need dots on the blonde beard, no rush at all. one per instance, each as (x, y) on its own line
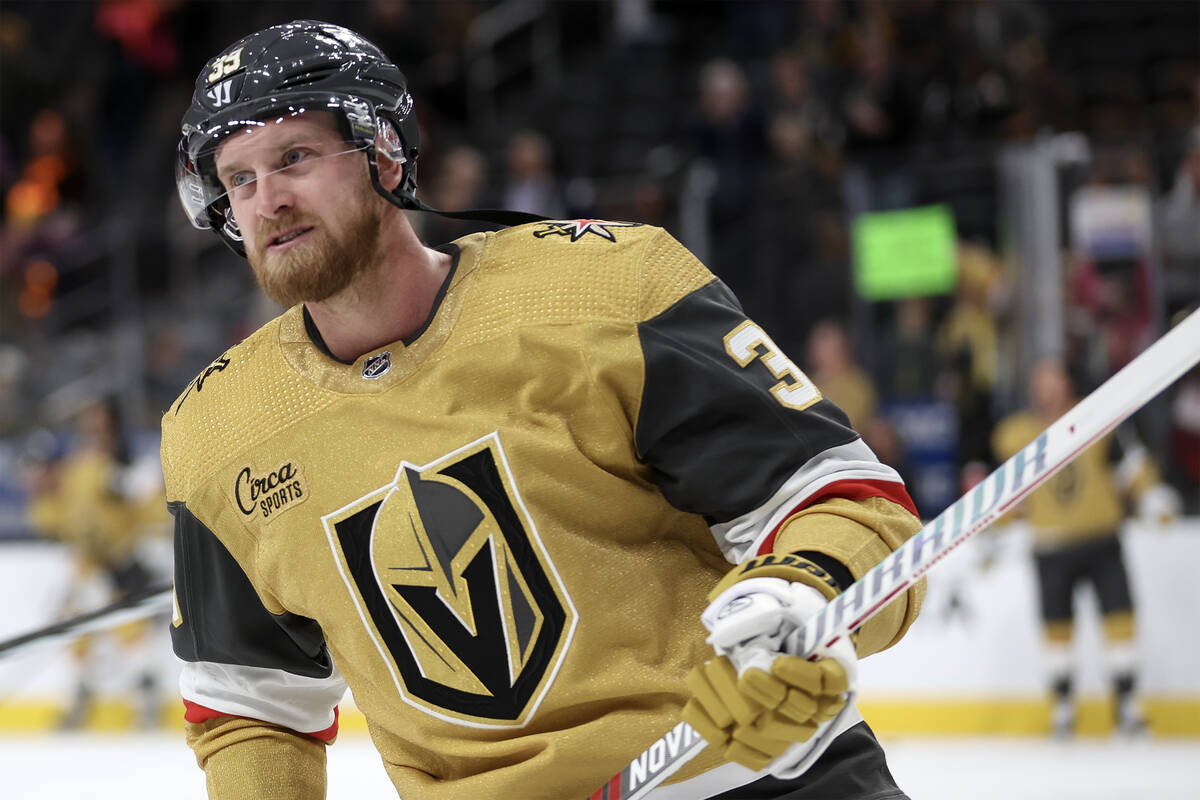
(318, 269)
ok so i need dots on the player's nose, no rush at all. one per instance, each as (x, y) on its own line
(273, 195)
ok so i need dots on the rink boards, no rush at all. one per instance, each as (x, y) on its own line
(971, 665)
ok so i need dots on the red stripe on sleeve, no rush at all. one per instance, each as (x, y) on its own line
(851, 490)
(194, 712)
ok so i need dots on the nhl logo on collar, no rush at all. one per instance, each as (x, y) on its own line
(375, 367)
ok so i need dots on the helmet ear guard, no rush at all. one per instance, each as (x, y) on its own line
(389, 147)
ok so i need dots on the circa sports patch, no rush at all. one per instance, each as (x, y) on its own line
(577, 228)
(266, 493)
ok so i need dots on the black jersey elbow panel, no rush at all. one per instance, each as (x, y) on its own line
(224, 621)
(719, 442)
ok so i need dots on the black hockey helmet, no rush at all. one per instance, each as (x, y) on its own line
(288, 69)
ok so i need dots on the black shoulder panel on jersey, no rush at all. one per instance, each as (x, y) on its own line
(223, 619)
(719, 442)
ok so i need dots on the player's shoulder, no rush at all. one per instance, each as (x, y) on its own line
(218, 380)
(570, 246)
(633, 265)
(596, 235)
(244, 392)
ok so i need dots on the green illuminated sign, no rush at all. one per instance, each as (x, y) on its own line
(905, 253)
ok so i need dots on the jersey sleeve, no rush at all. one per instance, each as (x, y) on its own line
(244, 758)
(239, 658)
(734, 431)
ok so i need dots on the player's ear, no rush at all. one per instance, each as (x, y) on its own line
(389, 155)
(391, 170)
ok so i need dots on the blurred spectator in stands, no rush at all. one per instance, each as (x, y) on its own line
(823, 36)
(14, 403)
(105, 505)
(795, 93)
(1111, 297)
(650, 203)
(832, 367)
(967, 343)
(145, 55)
(1076, 518)
(799, 185)
(51, 175)
(1178, 219)
(1044, 97)
(880, 112)
(457, 185)
(431, 38)
(43, 211)
(169, 366)
(728, 136)
(531, 183)
(1004, 80)
(909, 363)
(634, 23)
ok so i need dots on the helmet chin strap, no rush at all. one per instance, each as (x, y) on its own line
(499, 216)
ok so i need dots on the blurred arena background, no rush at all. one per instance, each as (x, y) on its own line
(919, 199)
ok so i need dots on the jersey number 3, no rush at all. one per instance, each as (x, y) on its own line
(748, 343)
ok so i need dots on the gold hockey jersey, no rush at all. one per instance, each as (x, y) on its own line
(500, 532)
(104, 526)
(1087, 498)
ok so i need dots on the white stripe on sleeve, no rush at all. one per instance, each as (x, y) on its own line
(740, 537)
(293, 701)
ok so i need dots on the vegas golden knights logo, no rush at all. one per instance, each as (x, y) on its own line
(455, 588)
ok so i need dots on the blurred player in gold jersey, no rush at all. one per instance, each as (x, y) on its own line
(104, 505)
(497, 487)
(1076, 518)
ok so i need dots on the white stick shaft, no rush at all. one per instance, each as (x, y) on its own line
(1077, 430)
(1132, 387)
(138, 606)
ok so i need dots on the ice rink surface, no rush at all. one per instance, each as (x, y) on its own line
(159, 767)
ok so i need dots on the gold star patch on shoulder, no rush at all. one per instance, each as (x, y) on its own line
(576, 228)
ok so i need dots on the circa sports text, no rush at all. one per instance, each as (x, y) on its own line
(268, 493)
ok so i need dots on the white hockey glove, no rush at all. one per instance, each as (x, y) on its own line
(759, 701)
(1158, 505)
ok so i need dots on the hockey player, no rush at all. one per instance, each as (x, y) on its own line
(106, 506)
(1076, 518)
(499, 487)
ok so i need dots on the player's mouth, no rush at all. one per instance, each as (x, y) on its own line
(286, 238)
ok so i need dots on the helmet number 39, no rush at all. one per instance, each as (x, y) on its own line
(226, 64)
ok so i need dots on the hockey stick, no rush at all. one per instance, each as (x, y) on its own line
(1097, 414)
(134, 606)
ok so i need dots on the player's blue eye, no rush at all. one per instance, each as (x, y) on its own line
(239, 179)
(293, 157)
